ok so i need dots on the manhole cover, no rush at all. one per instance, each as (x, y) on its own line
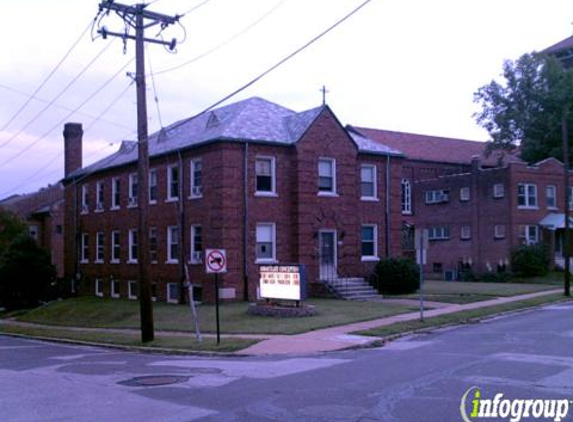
(154, 380)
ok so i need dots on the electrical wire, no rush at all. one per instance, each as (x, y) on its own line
(154, 88)
(62, 92)
(194, 8)
(276, 65)
(47, 78)
(227, 41)
(69, 115)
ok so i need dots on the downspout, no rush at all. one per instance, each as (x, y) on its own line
(246, 224)
(387, 208)
(181, 225)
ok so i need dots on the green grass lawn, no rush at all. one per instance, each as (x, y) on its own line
(116, 313)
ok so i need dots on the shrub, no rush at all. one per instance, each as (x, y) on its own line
(397, 276)
(530, 261)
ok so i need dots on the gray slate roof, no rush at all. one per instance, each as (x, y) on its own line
(253, 120)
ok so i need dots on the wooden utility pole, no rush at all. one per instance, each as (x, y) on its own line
(138, 18)
(566, 212)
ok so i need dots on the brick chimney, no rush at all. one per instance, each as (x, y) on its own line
(73, 134)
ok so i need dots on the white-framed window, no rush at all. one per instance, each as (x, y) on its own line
(528, 234)
(326, 176)
(368, 185)
(266, 243)
(570, 197)
(99, 196)
(265, 171)
(132, 290)
(132, 197)
(173, 182)
(115, 247)
(438, 233)
(369, 248)
(115, 193)
(498, 190)
(85, 200)
(33, 231)
(172, 293)
(499, 231)
(196, 244)
(153, 245)
(100, 244)
(551, 196)
(98, 287)
(115, 288)
(85, 249)
(172, 244)
(465, 194)
(406, 196)
(153, 186)
(437, 196)
(526, 195)
(133, 242)
(196, 175)
(465, 232)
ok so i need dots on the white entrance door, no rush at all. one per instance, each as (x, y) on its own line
(327, 254)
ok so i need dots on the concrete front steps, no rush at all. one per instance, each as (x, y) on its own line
(353, 288)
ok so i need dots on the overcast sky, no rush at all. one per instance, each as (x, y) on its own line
(404, 65)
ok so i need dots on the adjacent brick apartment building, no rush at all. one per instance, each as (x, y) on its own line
(265, 183)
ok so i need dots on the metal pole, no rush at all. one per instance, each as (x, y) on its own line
(566, 243)
(422, 253)
(217, 307)
(145, 300)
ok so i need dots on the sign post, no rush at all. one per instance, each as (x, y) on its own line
(421, 245)
(216, 263)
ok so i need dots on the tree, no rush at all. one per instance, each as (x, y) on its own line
(10, 227)
(527, 109)
(26, 274)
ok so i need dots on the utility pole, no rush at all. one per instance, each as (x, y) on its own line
(566, 212)
(138, 18)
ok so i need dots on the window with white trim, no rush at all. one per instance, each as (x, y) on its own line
(115, 247)
(465, 194)
(499, 231)
(132, 289)
(33, 231)
(528, 235)
(327, 176)
(98, 287)
(265, 169)
(172, 244)
(196, 175)
(133, 242)
(369, 248)
(196, 244)
(153, 245)
(438, 233)
(173, 182)
(368, 185)
(266, 242)
(153, 186)
(99, 196)
(100, 244)
(85, 248)
(115, 193)
(465, 232)
(172, 293)
(406, 196)
(85, 200)
(570, 197)
(498, 190)
(526, 195)
(115, 288)
(551, 196)
(437, 196)
(132, 197)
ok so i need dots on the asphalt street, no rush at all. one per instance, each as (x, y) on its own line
(420, 378)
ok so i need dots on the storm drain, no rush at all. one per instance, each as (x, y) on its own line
(154, 380)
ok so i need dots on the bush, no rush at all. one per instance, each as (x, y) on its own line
(530, 261)
(397, 276)
(26, 274)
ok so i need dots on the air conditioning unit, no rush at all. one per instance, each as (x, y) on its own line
(443, 197)
(99, 206)
(85, 208)
(197, 191)
(132, 201)
(197, 257)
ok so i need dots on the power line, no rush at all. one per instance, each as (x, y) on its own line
(69, 115)
(276, 65)
(47, 78)
(154, 88)
(227, 41)
(195, 8)
(62, 92)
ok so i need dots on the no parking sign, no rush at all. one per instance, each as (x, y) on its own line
(216, 261)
